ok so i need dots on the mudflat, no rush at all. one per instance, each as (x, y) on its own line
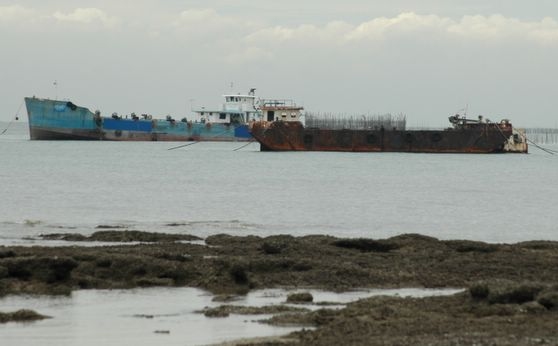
(510, 292)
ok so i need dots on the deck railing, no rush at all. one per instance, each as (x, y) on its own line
(364, 121)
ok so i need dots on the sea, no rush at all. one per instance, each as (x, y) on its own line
(209, 188)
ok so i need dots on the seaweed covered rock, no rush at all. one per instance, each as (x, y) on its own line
(122, 236)
(46, 269)
(302, 297)
(505, 292)
(471, 246)
(549, 298)
(366, 245)
(21, 316)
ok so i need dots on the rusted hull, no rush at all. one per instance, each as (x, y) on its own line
(284, 136)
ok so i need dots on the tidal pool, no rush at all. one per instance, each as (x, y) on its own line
(151, 316)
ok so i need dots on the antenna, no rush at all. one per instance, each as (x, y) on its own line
(55, 83)
(463, 111)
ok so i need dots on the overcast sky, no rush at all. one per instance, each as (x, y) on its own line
(426, 59)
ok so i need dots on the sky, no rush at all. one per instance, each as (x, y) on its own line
(425, 59)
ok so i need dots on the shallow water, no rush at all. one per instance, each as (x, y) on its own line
(155, 316)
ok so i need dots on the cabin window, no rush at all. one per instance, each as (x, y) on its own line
(201, 113)
(293, 115)
(222, 115)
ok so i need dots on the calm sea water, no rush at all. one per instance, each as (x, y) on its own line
(210, 188)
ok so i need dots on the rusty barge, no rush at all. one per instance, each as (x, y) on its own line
(464, 136)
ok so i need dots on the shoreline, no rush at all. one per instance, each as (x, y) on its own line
(511, 290)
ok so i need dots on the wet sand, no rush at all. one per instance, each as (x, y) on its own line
(511, 295)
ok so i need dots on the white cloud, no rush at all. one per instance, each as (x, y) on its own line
(198, 17)
(405, 23)
(546, 31)
(420, 27)
(498, 27)
(338, 38)
(85, 16)
(330, 33)
(15, 13)
(209, 23)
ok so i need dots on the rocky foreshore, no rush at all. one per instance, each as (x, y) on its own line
(510, 297)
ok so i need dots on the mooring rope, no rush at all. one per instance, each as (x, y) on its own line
(183, 145)
(524, 136)
(550, 151)
(499, 129)
(16, 117)
(6, 129)
(196, 142)
(245, 145)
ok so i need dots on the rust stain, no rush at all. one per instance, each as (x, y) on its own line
(465, 138)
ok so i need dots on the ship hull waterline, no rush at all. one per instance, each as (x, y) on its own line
(280, 136)
(54, 134)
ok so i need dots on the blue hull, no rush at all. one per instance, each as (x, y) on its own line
(63, 120)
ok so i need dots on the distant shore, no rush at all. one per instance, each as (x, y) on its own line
(510, 297)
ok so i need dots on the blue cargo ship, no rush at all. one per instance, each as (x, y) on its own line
(64, 120)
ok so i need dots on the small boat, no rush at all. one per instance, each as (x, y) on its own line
(464, 136)
(64, 120)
